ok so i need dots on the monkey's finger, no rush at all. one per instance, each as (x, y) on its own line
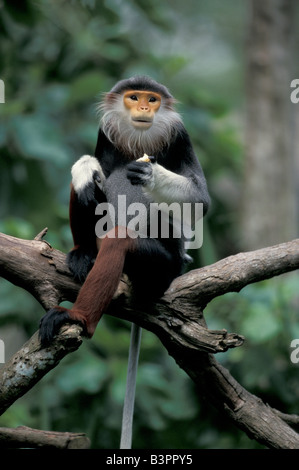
(97, 177)
(98, 180)
(143, 173)
(138, 165)
(139, 173)
(138, 178)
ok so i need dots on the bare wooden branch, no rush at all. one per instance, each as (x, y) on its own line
(34, 265)
(24, 437)
(292, 420)
(235, 272)
(177, 319)
(257, 419)
(31, 363)
(41, 234)
(40, 269)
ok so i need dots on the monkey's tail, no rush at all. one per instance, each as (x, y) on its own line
(128, 410)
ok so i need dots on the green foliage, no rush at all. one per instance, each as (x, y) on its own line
(267, 315)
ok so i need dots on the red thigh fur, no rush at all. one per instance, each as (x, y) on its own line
(101, 283)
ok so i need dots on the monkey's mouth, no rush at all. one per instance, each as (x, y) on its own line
(142, 122)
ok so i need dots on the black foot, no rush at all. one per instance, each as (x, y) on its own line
(80, 263)
(51, 323)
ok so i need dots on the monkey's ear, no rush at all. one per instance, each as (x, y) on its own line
(169, 103)
(110, 98)
(107, 100)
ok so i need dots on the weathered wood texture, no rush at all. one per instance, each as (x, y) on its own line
(177, 319)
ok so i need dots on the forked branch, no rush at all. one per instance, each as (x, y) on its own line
(177, 319)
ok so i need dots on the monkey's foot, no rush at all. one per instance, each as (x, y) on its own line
(52, 321)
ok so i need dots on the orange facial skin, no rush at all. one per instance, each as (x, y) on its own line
(142, 106)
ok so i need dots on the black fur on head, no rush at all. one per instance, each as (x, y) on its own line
(141, 82)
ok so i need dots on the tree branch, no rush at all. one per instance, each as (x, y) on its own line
(24, 437)
(177, 319)
(235, 272)
(31, 363)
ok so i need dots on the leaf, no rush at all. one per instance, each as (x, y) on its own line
(87, 87)
(38, 137)
(260, 324)
(87, 374)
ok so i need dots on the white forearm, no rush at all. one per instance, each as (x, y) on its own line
(166, 186)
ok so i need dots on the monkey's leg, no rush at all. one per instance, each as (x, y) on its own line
(97, 290)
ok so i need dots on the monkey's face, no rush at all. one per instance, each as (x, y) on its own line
(139, 121)
(142, 106)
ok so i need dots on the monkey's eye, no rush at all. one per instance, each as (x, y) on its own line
(152, 99)
(134, 98)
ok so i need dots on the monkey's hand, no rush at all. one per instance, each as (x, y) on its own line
(141, 172)
(87, 176)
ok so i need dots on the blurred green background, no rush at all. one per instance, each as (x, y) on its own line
(56, 58)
